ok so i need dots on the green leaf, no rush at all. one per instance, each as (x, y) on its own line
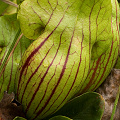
(97, 18)
(9, 33)
(102, 66)
(88, 106)
(3, 6)
(11, 9)
(74, 31)
(19, 118)
(115, 104)
(60, 118)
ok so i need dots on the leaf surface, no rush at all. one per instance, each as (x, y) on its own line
(3, 7)
(60, 118)
(102, 66)
(9, 32)
(43, 16)
(69, 35)
(88, 106)
(19, 118)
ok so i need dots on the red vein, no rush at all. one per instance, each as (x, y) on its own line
(34, 74)
(54, 72)
(93, 75)
(11, 53)
(33, 53)
(61, 75)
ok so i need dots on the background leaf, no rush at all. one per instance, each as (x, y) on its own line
(11, 9)
(9, 32)
(60, 118)
(89, 106)
(19, 118)
(3, 6)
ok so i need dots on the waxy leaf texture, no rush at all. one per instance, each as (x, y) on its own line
(101, 67)
(76, 47)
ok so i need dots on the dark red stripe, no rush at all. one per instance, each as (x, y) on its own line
(61, 75)
(26, 64)
(93, 75)
(33, 74)
(37, 15)
(53, 74)
(70, 87)
(104, 67)
(96, 67)
(45, 90)
(41, 82)
(107, 61)
(80, 59)
(111, 47)
(61, 92)
(81, 84)
(43, 75)
(33, 53)
(52, 12)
